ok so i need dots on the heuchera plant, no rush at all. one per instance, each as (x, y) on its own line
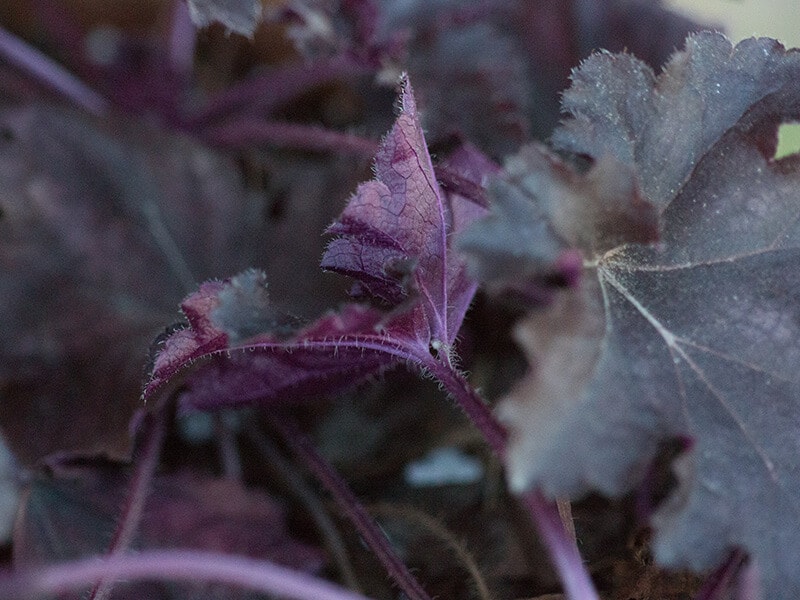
(653, 244)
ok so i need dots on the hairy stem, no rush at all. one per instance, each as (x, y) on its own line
(154, 432)
(435, 528)
(173, 565)
(470, 402)
(559, 535)
(44, 69)
(300, 444)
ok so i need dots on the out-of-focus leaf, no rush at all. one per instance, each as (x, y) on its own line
(697, 337)
(490, 71)
(558, 35)
(239, 16)
(71, 514)
(101, 235)
(470, 71)
(493, 71)
(543, 210)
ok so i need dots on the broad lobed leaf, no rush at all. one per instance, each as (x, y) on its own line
(696, 337)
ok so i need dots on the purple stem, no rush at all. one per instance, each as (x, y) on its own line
(748, 583)
(33, 62)
(563, 552)
(182, 39)
(718, 583)
(154, 434)
(470, 402)
(300, 444)
(559, 542)
(257, 132)
(264, 93)
(173, 565)
(302, 490)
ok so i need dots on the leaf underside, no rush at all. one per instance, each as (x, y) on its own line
(697, 336)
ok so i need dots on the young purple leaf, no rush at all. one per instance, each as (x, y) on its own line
(698, 337)
(395, 238)
(330, 354)
(394, 235)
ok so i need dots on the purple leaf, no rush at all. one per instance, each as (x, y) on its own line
(274, 364)
(698, 337)
(395, 240)
(395, 234)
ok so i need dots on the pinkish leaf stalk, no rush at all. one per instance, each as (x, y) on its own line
(44, 69)
(546, 515)
(131, 517)
(563, 551)
(470, 402)
(718, 583)
(748, 583)
(172, 565)
(310, 501)
(249, 131)
(300, 444)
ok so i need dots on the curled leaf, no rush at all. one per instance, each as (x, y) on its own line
(394, 236)
(543, 210)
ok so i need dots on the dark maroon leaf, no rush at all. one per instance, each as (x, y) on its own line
(470, 71)
(101, 235)
(698, 337)
(239, 16)
(70, 514)
(558, 35)
(491, 71)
